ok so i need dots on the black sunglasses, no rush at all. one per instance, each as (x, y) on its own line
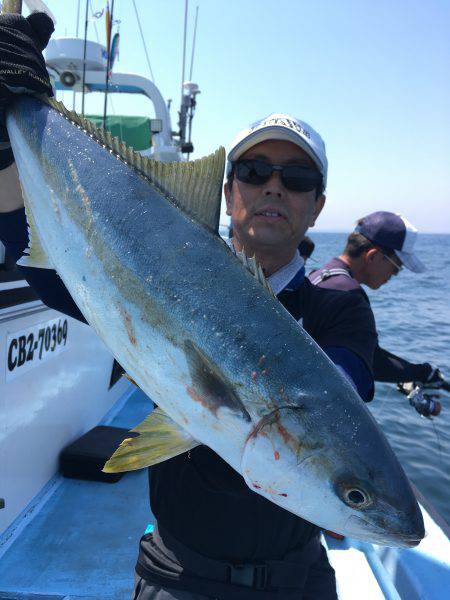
(296, 178)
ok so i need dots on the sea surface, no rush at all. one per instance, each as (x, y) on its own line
(412, 313)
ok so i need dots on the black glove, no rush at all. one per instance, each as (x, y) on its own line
(435, 379)
(22, 66)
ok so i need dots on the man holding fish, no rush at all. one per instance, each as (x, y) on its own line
(277, 437)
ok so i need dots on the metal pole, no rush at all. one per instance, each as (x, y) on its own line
(108, 62)
(193, 44)
(78, 29)
(182, 113)
(78, 17)
(86, 20)
(184, 44)
(12, 6)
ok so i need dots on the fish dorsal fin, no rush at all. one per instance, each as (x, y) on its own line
(194, 186)
(159, 439)
(34, 254)
(252, 265)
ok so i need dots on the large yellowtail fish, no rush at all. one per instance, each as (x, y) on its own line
(136, 244)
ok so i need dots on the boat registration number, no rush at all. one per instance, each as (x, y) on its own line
(30, 347)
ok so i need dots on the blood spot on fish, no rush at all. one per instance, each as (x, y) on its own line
(276, 455)
(287, 437)
(283, 494)
(256, 486)
(128, 325)
(262, 360)
(254, 375)
(197, 397)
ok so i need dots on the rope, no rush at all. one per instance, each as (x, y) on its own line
(143, 42)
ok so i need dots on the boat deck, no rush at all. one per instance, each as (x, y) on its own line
(79, 541)
(83, 542)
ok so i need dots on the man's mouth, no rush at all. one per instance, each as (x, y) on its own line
(270, 214)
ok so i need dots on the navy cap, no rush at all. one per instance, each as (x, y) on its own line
(394, 232)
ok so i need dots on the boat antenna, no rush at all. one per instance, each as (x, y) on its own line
(193, 44)
(188, 93)
(108, 61)
(78, 30)
(143, 42)
(83, 81)
(193, 101)
(183, 64)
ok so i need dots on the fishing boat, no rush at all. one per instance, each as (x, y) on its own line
(71, 538)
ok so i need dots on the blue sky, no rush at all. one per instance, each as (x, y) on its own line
(372, 78)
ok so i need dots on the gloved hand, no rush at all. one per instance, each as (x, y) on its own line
(435, 379)
(22, 66)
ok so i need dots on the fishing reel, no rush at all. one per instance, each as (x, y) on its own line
(426, 404)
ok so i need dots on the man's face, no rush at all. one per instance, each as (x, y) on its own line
(379, 268)
(269, 216)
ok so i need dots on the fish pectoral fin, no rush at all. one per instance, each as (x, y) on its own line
(159, 439)
(34, 255)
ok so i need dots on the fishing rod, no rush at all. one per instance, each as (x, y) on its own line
(108, 61)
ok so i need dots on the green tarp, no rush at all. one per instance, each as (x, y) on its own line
(135, 131)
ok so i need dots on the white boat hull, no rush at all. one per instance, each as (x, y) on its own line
(46, 401)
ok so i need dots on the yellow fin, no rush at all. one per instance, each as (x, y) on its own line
(159, 439)
(194, 186)
(34, 255)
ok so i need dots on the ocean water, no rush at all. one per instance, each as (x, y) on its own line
(412, 313)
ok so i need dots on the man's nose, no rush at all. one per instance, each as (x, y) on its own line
(274, 186)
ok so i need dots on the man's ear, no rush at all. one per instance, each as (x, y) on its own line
(371, 255)
(228, 198)
(318, 206)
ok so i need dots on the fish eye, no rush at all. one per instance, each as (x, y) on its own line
(356, 498)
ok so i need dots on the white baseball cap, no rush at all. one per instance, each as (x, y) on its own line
(278, 126)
